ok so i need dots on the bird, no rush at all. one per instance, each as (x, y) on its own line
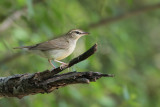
(58, 48)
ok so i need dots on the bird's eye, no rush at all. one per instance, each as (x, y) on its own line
(78, 32)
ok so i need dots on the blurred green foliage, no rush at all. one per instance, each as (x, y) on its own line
(128, 48)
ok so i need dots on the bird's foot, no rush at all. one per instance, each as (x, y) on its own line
(63, 65)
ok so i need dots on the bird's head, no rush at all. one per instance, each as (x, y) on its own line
(76, 33)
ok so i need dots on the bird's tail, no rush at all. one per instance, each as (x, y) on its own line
(22, 47)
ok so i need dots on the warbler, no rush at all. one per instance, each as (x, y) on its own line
(58, 48)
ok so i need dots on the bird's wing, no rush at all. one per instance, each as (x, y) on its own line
(59, 43)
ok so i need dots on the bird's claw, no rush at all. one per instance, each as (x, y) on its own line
(63, 65)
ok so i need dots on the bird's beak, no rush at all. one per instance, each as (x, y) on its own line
(85, 33)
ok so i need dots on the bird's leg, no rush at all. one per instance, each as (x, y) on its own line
(51, 63)
(62, 63)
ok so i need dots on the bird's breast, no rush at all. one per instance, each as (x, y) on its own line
(61, 53)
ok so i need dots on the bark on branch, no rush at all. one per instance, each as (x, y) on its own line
(21, 85)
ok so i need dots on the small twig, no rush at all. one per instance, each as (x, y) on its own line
(84, 56)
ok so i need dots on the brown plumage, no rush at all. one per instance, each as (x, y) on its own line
(58, 48)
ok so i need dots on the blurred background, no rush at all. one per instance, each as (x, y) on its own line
(128, 37)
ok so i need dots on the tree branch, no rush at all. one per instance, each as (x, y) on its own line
(107, 21)
(9, 20)
(21, 85)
